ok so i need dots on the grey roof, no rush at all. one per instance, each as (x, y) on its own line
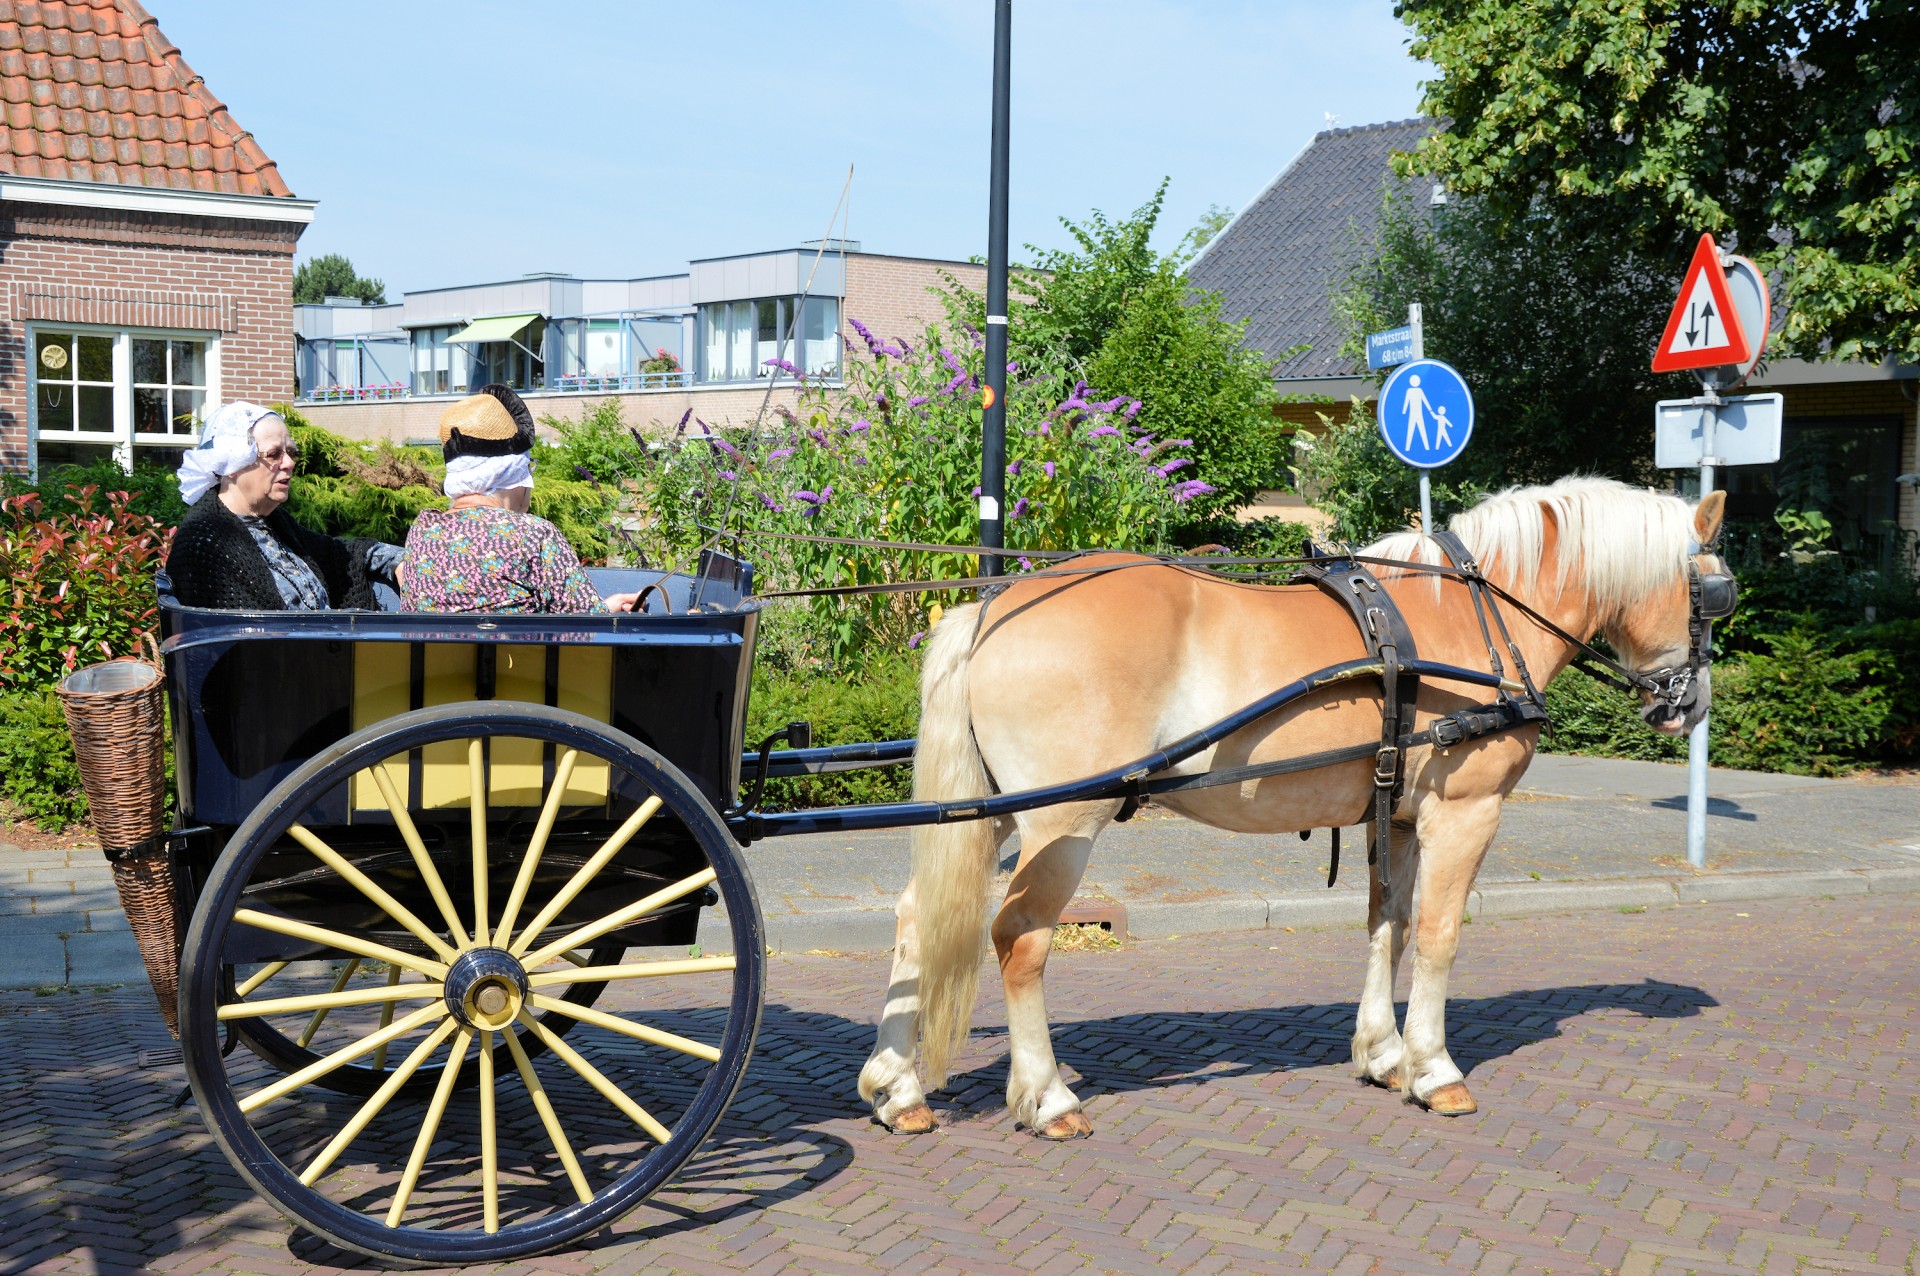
(1277, 263)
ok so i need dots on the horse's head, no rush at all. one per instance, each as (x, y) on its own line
(1665, 641)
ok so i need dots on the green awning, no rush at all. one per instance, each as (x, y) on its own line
(498, 328)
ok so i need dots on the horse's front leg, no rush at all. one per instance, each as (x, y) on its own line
(1378, 1052)
(1054, 847)
(1454, 836)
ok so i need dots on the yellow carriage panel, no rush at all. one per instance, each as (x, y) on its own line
(586, 688)
(516, 773)
(382, 689)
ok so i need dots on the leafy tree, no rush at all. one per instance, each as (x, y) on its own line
(1127, 319)
(333, 275)
(1786, 127)
(1210, 223)
(1550, 326)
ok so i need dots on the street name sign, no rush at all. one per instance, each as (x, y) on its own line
(1704, 330)
(1744, 430)
(1384, 349)
(1426, 413)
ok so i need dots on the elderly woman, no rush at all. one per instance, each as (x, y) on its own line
(484, 552)
(237, 548)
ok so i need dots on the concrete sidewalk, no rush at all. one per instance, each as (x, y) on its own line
(1579, 833)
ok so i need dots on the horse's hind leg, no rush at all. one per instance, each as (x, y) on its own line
(888, 1081)
(1054, 846)
(1379, 1055)
(1454, 835)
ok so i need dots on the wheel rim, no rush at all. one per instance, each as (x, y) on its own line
(563, 1134)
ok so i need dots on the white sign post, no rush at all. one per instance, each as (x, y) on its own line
(1716, 331)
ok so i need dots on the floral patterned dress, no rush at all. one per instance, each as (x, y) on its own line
(488, 559)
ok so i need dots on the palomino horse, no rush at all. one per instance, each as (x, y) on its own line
(1063, 677)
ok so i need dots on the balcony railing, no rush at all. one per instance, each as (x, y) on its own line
(577, 384)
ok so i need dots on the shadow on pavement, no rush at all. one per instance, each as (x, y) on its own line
(1725, 808)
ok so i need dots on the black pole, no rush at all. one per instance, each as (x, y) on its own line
(993, 444)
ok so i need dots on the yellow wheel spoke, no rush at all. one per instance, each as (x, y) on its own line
(341, 1057)
(577, 958)
(327, 1001)
(614, 920)
(338, 939)
(581, 877)
(403, 820)
(261, 976)
(372, 890)
(597, 1079)
(320, 1012)
(489, 1148)
(544, 1106)
(627, 1028)
(642, 970)
(477, 814)
(562, 773)
(386, 1017)
(380, 1098)
(449, 1076)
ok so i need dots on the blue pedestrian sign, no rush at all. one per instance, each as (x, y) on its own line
(1426, 413)
(1384, 349)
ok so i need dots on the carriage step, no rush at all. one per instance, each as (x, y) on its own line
(1104, 913)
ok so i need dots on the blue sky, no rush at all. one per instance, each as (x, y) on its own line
(454, 143)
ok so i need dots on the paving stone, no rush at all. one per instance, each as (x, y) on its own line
(104, 957)
(1710, 889)
(1149, 920)
(1537, 898)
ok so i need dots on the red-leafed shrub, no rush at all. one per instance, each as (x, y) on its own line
(76, 582)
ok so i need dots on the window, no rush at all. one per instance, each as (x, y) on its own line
(100, 394)
(439, 366)
(741, 336)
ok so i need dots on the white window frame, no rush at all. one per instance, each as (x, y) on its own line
(123, 441)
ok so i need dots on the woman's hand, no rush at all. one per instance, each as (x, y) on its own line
(621, 602)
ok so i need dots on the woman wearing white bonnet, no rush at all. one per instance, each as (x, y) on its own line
(484, 552)
(238, 549)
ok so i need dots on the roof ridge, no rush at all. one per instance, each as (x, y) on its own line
(1380, 127)
(193, 84)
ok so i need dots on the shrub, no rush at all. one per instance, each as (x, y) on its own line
(78, 581)
(1801, 706)
(38, 776)
(882, 702)
(1349, 473)
(895, 456)
(599, 444)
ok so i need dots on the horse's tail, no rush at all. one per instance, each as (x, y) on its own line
(953, 864)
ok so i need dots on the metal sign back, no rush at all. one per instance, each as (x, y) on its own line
(1744, 430)
(1753, 304)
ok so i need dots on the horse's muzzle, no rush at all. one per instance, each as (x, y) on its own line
(1678, 707)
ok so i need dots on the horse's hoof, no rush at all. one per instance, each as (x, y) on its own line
(918, 1119)
(1068, 1125)
(1452, 1099)
(1389, 1082)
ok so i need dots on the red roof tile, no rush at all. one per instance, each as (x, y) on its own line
(91, 91)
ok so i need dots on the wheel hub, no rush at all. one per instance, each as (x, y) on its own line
(486, 987)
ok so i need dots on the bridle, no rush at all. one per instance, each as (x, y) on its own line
(1711, 596)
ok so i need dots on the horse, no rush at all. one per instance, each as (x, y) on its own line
(1066, 675)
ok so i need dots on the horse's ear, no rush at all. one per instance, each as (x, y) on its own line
(1707, 516)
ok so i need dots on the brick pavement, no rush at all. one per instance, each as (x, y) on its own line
(1728, 1087)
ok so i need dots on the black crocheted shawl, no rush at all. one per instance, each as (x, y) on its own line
(215, 563)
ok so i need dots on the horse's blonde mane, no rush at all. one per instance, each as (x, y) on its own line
(1630, 541)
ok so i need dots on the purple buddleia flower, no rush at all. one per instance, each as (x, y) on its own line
(1049, 467)
(861, 460)
(1164, 444)
(961, 381)
(866, 335)
(1013, 369)
(1013, 468)
(917, 400)
(1026, 564)
(818, 436)
(780, 454)
(721, 445)
(888, 348)
(860, 426)
(728, 475)
(770, 503)
(906, 351)
(785, 367)
(1184, 492)
(1019, 509)
(1072, 403)
(913, 643)
(1178, 463)
(1132, 410)
(682, 427)
(976, 491)
(1100, 431)
(803, 494)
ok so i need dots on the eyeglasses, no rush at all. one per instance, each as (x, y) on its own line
(273, 459)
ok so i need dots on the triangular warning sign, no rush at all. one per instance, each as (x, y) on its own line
(1704, 330)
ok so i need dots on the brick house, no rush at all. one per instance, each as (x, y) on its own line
(146, 242)
(1851, 433)
(569, 344)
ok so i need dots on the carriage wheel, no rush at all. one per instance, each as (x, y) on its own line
(545, 1149)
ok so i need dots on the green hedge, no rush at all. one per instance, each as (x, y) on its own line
(882, 702)
(38, 777)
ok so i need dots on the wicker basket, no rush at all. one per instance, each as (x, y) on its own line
(117, 716)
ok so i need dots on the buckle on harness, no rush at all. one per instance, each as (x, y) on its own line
(1448, 731)
(1386, 766)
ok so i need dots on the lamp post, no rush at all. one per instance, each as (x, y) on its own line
(993, 443)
